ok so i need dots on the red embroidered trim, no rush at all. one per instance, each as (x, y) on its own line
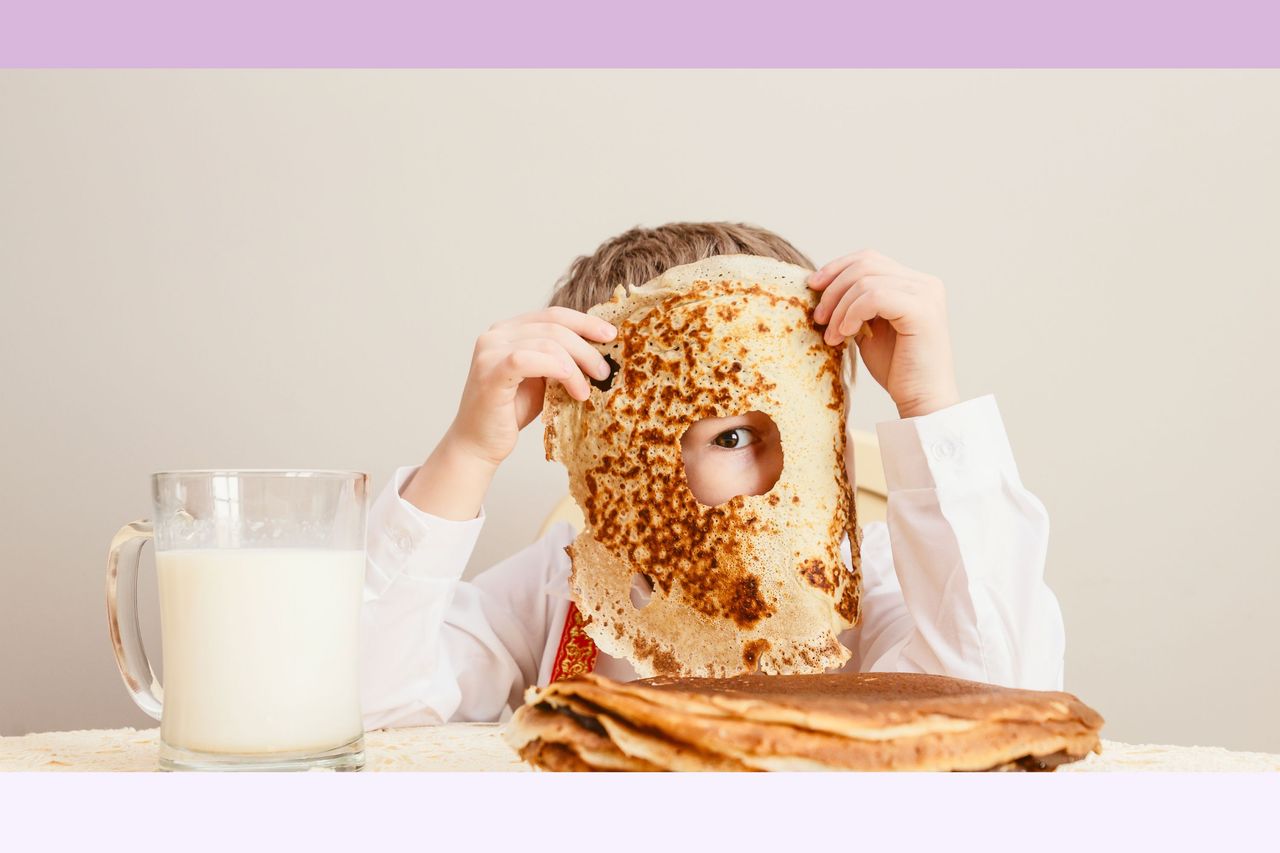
(577, 652)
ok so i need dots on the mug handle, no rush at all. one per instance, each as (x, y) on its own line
(122, 618)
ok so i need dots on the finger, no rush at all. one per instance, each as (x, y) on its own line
(832, 334)
(888, 304)
(582, 324)
(840, 326)
(836, 292)
(570, 375)
(831, 296)
(825, 274)
(529, 402)
(584, 354)
(530, 362)
(867, 261)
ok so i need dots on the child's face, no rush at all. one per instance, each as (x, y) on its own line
(727, 457)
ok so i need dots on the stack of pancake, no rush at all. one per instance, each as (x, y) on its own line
(845, 721)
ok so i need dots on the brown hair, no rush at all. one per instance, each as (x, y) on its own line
(640, 254)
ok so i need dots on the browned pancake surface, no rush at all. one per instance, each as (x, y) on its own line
(892, 697)
(756, 583)
(855, 721)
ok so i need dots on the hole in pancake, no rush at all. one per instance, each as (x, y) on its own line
(607, 383)
(641, 590)
(727, 457)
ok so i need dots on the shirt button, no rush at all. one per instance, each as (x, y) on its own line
(945, 449)
(401, 539)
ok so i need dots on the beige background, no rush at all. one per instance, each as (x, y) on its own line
(287, 269)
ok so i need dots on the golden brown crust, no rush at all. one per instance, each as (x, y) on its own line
(587, 739)
(556, 757)
(852, 721)
(756, 583)
(877, 696)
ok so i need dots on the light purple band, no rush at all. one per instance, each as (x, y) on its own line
(640, 33)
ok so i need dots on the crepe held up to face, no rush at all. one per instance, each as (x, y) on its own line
(756, 583)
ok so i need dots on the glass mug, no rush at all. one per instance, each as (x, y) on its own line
(260, 576)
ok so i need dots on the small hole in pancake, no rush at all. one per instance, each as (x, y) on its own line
(606, 384)
(727, 457)
(641, 590)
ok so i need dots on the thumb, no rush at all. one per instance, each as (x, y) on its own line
(877, 349)
(529, 397)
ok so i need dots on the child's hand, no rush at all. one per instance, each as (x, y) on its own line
(908, 350)
(509, 369)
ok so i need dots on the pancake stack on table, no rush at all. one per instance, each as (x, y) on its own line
(845, 721)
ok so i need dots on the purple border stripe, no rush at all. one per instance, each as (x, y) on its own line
(641, 33)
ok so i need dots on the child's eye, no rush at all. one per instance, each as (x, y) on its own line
(734, 438)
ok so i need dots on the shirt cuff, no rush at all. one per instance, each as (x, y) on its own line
(960, 445)
(404, 540)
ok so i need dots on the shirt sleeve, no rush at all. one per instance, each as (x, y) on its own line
(436, 648)
(954, 581)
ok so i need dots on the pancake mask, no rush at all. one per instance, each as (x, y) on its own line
(756, 583)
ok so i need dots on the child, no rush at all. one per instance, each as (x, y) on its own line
(952, 584)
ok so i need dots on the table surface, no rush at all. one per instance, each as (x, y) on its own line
(479, 746)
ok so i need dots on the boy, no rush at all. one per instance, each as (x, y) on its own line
(952, 584)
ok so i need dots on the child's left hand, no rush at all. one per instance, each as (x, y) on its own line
(909, 348)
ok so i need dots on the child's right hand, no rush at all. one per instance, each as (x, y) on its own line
(510, 366)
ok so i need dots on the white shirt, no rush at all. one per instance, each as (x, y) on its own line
(953, 584)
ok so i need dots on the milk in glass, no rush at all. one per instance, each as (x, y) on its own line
(260, 648)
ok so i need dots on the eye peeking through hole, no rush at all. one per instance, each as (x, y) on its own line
(641, 590)
(727, 457)
(732, 439)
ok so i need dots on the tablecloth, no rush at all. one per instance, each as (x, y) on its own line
(479, 746)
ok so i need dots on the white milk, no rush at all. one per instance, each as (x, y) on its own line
(260, 648)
